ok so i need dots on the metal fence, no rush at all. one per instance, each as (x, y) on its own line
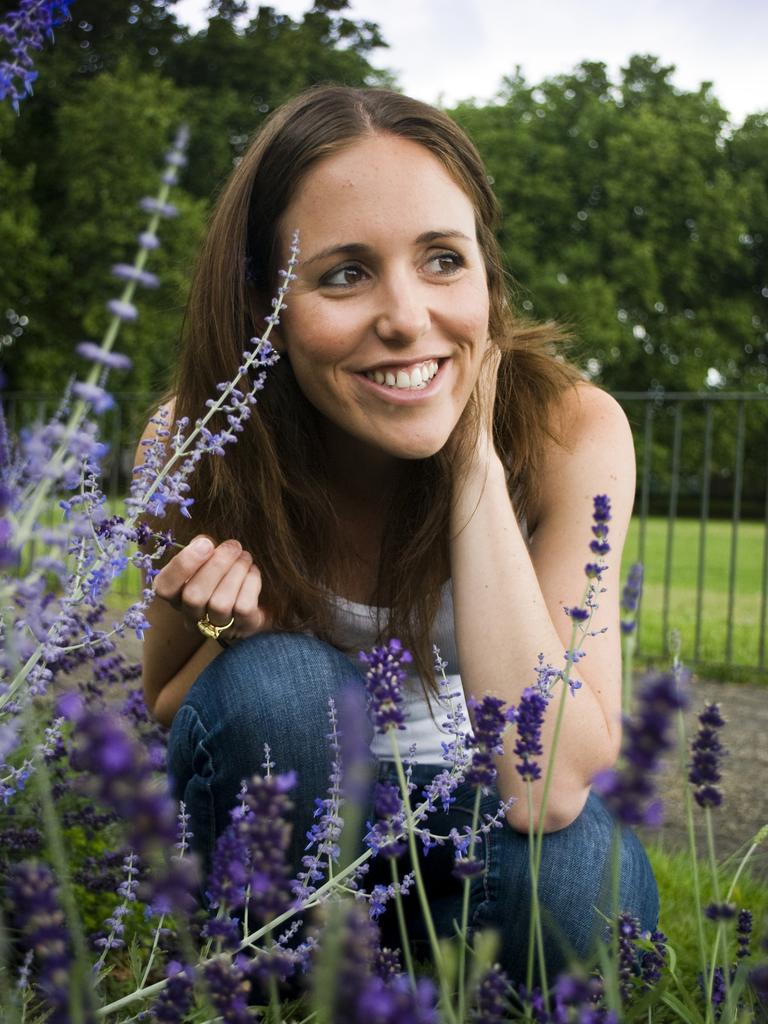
(700, 526)
(702, 469)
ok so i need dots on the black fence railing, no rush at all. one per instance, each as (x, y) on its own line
(700, 525)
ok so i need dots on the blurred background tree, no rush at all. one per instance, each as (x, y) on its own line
(632, 212)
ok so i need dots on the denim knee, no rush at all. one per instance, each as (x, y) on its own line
(274, 689)
(574, 888)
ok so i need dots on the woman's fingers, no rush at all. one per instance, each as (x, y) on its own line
(217, 581)
(249, 616)
(170, 581)
(198, 590)
(221, 604)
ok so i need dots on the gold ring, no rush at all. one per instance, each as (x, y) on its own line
(210, 629)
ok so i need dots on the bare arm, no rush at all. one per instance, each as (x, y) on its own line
(509, 595)
(204, 578)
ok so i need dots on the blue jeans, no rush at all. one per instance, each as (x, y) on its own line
(274, 688)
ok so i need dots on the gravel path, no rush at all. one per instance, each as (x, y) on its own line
(745, 773)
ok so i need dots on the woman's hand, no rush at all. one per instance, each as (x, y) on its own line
(219, 581)
(471, 461)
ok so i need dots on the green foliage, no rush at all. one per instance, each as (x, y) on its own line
(120, 79)
(631, 214)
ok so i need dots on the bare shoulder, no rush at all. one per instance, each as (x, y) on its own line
(594, 453)
(162, 419)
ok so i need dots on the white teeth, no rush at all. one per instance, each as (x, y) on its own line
(418, 377)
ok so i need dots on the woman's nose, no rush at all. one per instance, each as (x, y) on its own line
(403, 315)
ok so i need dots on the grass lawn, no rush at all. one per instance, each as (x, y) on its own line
(683, 592)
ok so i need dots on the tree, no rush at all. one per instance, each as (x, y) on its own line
(626, 217)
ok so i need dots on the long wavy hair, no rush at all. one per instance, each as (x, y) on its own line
(270, 492)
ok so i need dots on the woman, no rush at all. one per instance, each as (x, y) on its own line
(419, 465)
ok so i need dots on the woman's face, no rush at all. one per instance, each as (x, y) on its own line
(386, 325)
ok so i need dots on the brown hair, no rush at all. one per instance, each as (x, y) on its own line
(270, 491)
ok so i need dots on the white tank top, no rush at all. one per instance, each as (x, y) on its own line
(356, 629)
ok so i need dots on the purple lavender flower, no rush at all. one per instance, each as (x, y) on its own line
(628, 929)
(123, 310)
(387, 837)
(250, 864)
(743, 933)
(720, 911)
(601, 515)
(116, 769)
(96, 354)
(491, 1000)
(39, 919)
(115, 922)
(577, 614)
(326, 830)
(129, 272)
(630, 597)
(148, 240)
(490, 721)
(395, 1002)
(150, 204)
(654, 960)
(577, 999)
(173, 1003)
(707, 753)
(228, 988)
(529, 719)
(24, 30)
(629, 790)
(100, 399)
(384, 677)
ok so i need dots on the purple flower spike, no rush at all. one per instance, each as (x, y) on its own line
(384, 677)
(490, 722)
(125, 311)
(127, 272)
(395, 1002)
(149, 204)
(630, 597)
(40, 921)
(228, 989)
(601, 516)
(707, 753)
(96, 354)
(175, 1000)
(250, 859)
(743, 933)
(577, 614)
(491, 1002)
(24, 30)
(148, 240)
(100, 399)
(387, 837)
(629, 791)
(529, 719)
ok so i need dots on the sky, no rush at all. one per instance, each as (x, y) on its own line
(449, 50)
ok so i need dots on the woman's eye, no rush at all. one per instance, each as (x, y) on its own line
(343, 277)
(446, 263)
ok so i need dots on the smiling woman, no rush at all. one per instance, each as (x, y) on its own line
(418, 466)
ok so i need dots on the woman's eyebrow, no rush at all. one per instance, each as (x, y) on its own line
(361, 249)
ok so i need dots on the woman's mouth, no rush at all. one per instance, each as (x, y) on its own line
(409, 378)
